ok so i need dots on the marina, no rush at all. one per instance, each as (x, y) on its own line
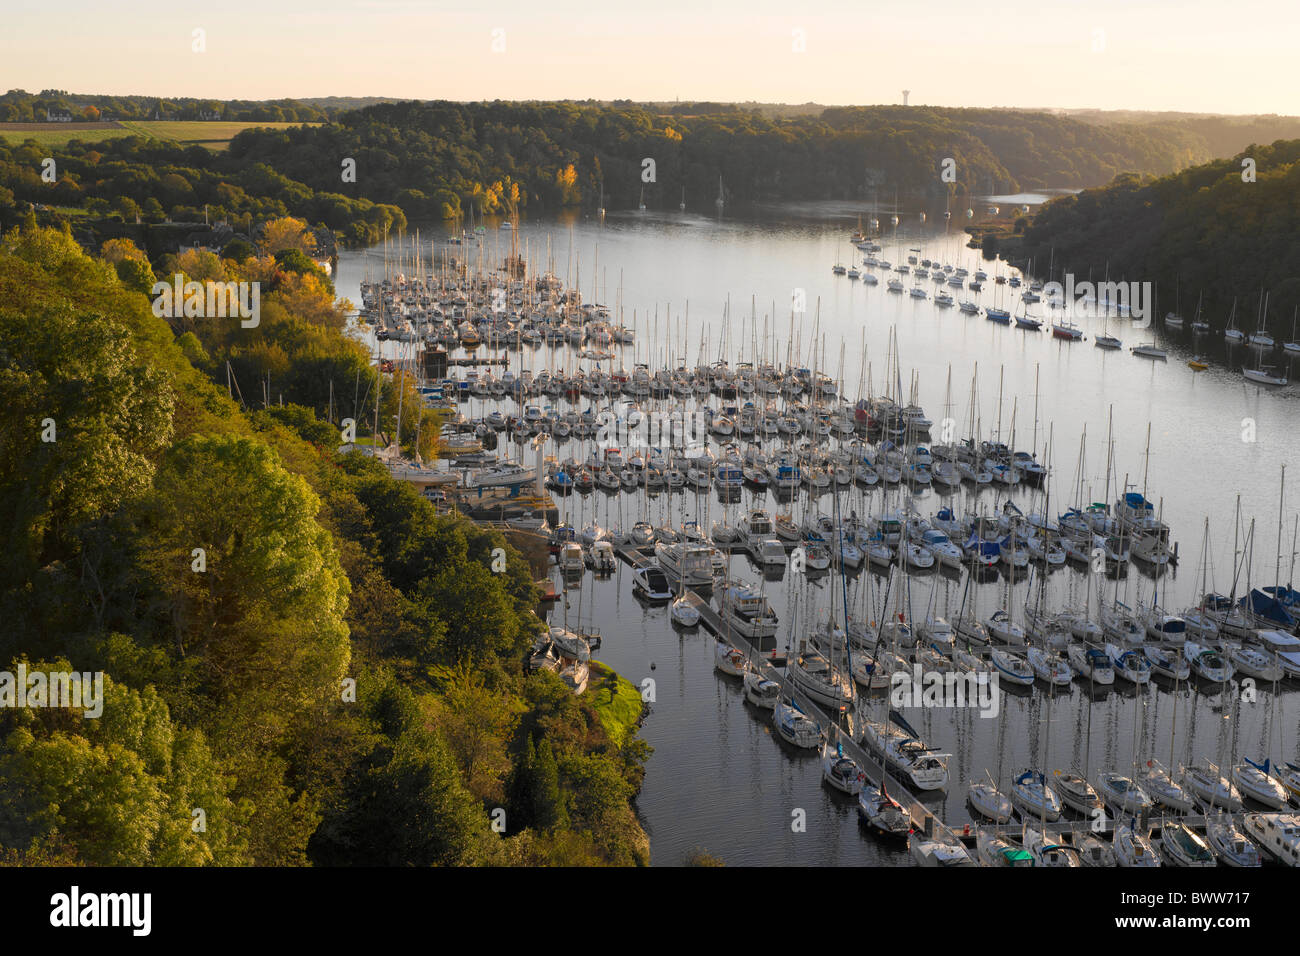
(975, 480)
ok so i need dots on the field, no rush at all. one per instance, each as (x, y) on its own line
(215, 136)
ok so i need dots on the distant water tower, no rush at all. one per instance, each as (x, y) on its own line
(905, 92)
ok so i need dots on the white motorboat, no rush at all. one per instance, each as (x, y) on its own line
(1182, 846)
(769, 553)
(1208, 784)
(1230, 843)
(745, 610)
(691, 564)
(795, 727)
(1256, 782)
(650, 583)
(1034, 799)
(1284, 648)
(600, 557)
(1276, 833)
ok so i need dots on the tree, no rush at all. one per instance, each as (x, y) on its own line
(548, 808)
(287, 233)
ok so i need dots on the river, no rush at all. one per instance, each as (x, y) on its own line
(719, 779)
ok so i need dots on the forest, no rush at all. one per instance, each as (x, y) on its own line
(1220, 233)
(367, 172)
(304, 664)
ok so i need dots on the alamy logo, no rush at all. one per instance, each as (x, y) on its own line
(74, 908)
(84, 692)
(208, 300)
(1090, 300)
(923, 688)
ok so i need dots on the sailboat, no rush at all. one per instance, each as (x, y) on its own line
(794, 726)
(840, 771)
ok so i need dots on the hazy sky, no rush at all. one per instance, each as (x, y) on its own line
(1191, 55)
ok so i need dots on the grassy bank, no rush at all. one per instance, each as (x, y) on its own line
(616, 701)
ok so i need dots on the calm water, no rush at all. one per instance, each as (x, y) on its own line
(718, 778)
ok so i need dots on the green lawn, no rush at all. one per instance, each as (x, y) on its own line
(618, 712)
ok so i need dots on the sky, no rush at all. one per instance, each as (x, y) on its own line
(1182, 55)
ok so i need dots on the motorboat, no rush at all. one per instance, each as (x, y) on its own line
(1278, 834)
(600, 557)
(1034, 799)
(1208, 784)
(1230, 843)
(690, 564)
(1182, 846)
(882, 813)
(745, 610)
(650, 582)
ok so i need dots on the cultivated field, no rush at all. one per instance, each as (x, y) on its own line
(215, 136)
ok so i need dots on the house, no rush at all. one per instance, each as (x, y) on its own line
(58, 116)
(209, 115)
